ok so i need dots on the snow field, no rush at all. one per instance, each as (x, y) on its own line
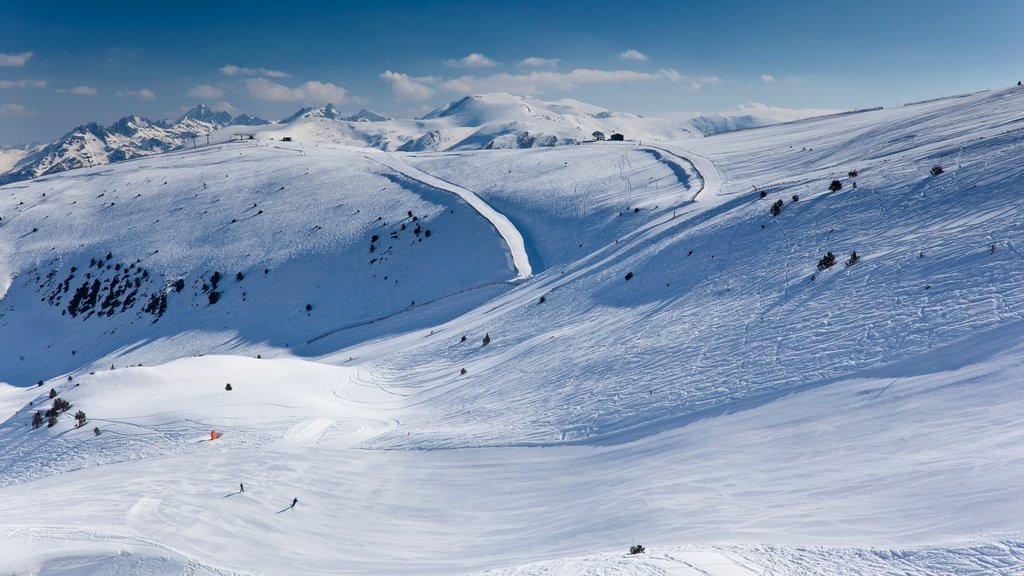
(718, 406)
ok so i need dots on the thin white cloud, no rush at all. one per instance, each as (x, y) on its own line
(14, 60)
(539, 82)
(142, 94)
(767, 78)
(538, 62)
(474, 60)
(15, 110)
(310, 92)
(227, 107)
(22, 84)
(80, 90)
(697, 84)
(409, 87)
(633, 55)
(204, 91)
(778, 113)
(232, 70)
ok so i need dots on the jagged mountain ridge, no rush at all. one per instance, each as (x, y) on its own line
(130, 137)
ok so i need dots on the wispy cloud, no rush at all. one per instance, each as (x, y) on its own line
(143, 94)
(14, 60)
(232, 70)
(767, 78)
(80, 90)
(409, 87)
(540, 82)
(633, 55)
(227, 107)
(778, 113)
(15, 110)
(538, 62)
(22, 84)
(535, 82)
(204, 91)
(309, 92)
(474, 60)
(696, 84)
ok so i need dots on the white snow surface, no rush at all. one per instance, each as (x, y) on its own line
(661, 366)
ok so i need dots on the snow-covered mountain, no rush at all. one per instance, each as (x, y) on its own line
(523, 361)
(482, 121)
(130, 137)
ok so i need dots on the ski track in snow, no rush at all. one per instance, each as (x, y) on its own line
(513, 239)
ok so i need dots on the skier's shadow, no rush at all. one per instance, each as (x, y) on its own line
(232, 494)
(286, 508)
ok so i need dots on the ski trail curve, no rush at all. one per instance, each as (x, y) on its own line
(508, 232)
(712, 184)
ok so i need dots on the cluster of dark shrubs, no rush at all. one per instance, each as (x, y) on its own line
(59, 406)
(829, 260)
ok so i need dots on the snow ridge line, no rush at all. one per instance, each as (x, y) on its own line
(508, 232)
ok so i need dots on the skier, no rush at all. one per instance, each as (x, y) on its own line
(241, 487)
(294, 502)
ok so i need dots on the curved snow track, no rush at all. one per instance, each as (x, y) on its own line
(508, 232)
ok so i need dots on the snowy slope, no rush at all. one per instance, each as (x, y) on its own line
(676, 371)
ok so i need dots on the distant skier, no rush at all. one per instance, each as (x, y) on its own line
(294, 502)
(241, 487)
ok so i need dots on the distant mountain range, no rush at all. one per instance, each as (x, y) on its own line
(130, 137)
(481, 121)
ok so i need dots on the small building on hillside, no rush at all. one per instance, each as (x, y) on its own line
(616, 137)
(598, 135)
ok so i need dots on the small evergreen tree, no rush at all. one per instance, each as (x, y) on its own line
(827, 261)
(629, 276)
(777, 207)
(228, 387)
(487, 339)
(80, 419)
(37, 419)
(854, 258)
(835, 186)
(53, 393)
(96, 431)
(796, 197)
(936, 170)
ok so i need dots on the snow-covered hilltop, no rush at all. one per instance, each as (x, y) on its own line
(790, 350)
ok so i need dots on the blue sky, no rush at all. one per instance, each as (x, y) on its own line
(67, 63)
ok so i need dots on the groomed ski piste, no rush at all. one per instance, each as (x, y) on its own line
(595, 346)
